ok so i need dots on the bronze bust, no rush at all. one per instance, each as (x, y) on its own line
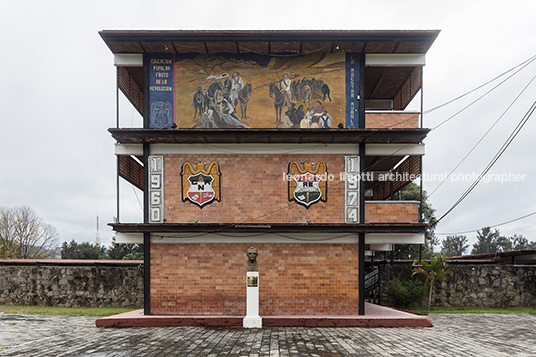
(252, 259)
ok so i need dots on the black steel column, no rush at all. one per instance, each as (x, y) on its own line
(146, 273)
(146, 107)
(362, 125)
(361, 234)
(117, 157)
(146, 235)
(362, 70)
(146, 153)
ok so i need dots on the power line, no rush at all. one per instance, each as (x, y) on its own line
(492, 226)
(485, 134)
(480, 86)
(483, 95)
(494, 160)
(523, 64)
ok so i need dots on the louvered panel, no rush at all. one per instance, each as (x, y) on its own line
(131, 89)
(408, 90)
(131, 171)
(410, 168)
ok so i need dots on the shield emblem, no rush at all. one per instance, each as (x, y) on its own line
(200, 191)
(200, 186)
(307, 190)
(307, 185)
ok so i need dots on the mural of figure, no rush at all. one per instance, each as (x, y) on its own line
(285, 85)
(299, 114)
(293, 83)
(326, 121)
(226, 111)
(236, 87)
(198, 102)
(287, 122)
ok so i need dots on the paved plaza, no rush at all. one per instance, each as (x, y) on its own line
(452, 335)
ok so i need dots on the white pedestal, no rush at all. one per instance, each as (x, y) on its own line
(252, 319)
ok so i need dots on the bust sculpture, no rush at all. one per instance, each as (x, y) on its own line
(252, 259)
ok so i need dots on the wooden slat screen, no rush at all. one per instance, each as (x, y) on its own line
(131, 170)
(408, 90)
(409, 168)
(131, 89)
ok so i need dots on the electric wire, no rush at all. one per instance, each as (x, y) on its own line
(490, 226)
(482, 138)
(530, 59)
(494, 160)
(485, 94)
(523, 64)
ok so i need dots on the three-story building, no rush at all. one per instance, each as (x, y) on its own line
(294, 142)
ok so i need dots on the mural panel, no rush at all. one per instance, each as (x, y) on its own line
(236, 91)
(161, 87)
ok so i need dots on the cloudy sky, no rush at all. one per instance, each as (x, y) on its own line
(57, 98)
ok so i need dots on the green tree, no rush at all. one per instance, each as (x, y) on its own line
(433, 271)
(491, 241)
(120, 251)
(487, 241)
(403, 293)
(25, 235)
(454, 246)
(519, 242)
(134, 256)
(84, 250)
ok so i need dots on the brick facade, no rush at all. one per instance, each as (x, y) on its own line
(295, 279)
(392, 212)
(392, 120)
(253, 190)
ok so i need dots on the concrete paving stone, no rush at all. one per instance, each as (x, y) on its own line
(452, 335)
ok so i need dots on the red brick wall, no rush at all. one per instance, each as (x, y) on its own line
(252, 190)
(294, 279)
(392, 120)
(392, 212)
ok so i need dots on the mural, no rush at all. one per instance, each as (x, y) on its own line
(161, 85)
(254, 91)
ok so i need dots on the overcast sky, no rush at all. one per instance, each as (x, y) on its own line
(57, 98)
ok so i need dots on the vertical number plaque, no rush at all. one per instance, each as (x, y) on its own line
(351, 189)
(156, 189)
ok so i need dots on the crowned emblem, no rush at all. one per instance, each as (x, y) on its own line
(199, 185)
(307, 186)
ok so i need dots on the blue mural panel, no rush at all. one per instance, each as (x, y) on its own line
(352, 90)
(161, 90)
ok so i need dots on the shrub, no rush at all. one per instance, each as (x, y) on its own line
(406, 292)
(506, 296)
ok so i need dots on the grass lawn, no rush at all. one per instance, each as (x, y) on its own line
(64, 311)
(475, 310)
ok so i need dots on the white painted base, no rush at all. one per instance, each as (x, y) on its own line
(252, 322)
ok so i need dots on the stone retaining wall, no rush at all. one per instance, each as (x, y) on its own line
(120, 283)
(72, 283)
(478, 285)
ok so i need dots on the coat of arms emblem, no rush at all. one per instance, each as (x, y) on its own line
(199, 185)
(307, 186)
